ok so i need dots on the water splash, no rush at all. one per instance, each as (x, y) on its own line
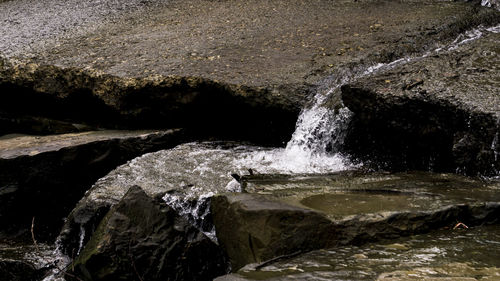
(82, 238)
(194, 210)
(60, 262)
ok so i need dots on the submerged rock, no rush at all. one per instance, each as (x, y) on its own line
(142, 238)
(440, 112)
(287, 215)
(472, 254)
(44, 176)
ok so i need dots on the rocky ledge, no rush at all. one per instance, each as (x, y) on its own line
(43, 177)
(239, 65)
(440, 112)
(287, 216)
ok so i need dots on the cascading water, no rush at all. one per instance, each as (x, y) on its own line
(189, 174)
(320, 131)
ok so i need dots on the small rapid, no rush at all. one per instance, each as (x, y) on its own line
(190, 174)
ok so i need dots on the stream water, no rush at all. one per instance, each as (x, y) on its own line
(444, 255)
(190, 174)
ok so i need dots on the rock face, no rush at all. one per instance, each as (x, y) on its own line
(44, 177)
(441, 112)
(141, 238)
(319, 214)
(186, 176)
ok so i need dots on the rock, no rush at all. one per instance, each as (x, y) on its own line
(276, 221)
(44, 177)
(445, 122)
(142, 238)
(186, 177)
(209, 66)
(252, 229)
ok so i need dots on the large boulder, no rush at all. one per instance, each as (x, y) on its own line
(45, 176)
(439, 112)
(142, 238)
(186, 177)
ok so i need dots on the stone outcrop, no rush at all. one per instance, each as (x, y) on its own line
(142, 238)
(278, 223)
(44, 177)
(440, 112)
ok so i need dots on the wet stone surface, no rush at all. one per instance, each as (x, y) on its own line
(448, 254)
(353, 193)
(283, 215)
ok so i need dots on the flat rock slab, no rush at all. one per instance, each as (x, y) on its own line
(12, 146)
(259, 43)
(148, 61)
(448, 254)
(441, 111)
(288, 215)
(44, 176)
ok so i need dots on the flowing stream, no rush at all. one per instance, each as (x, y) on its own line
(190, 174)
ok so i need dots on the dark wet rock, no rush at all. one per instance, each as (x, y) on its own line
(38, 125)
(286, 217)
(142, 238)
(252, 228)
(44, 177)
(185, 176)
(441, 112)
(210, 66)
(13, 270)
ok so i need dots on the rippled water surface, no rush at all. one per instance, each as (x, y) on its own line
(449, 254)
